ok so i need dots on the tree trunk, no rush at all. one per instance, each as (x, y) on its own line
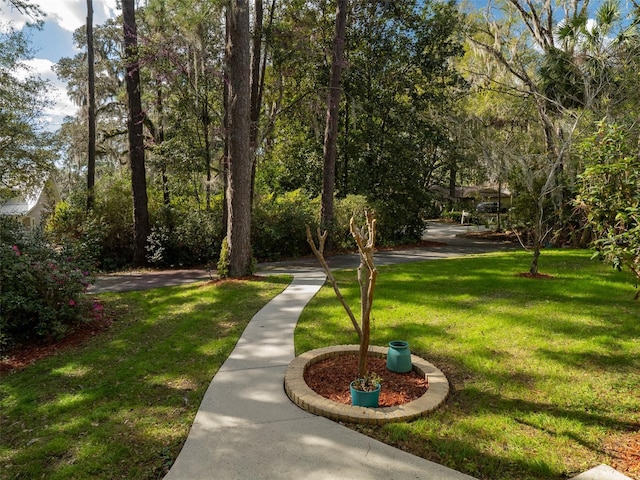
(91, 110)
(166, 195)
(256, 54)
(239, 178)
(136, 138)
(331, 128)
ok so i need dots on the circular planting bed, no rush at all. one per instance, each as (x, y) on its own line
(302, 395)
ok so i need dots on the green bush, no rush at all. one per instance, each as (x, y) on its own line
(279, 225)
(345, 208)
(106, 233)
(399, 222)
(194, 237)
(41, 287)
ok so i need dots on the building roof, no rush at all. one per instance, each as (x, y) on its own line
(25, 203)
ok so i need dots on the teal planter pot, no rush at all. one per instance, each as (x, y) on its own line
(364, 399)
(399, 357)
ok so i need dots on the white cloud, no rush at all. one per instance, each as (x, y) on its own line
(61, 106)
(69, 14)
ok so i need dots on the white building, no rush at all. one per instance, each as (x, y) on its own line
(30, 207)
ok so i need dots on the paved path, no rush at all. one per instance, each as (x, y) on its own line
(247, 429)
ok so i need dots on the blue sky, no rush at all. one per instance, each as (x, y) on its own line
(55, 41)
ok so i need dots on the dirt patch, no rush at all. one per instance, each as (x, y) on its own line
(536, 276)
(331, 378)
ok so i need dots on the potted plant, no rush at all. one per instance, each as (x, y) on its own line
(365, 391)
(367, 274)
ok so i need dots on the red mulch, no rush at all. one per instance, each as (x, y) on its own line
(331, 378)
(27, 354)
(625, 453)
(537, 276)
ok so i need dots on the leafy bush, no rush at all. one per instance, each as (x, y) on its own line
(41, 288)
(345, 208)
(194, 238)
(279, 225)
(610, 196)
(399, 222)
(106, 233)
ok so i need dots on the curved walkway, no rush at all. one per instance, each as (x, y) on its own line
(246, 426)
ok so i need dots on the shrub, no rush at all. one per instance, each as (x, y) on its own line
(344, 209)
(279, 225)
(41, 288)
(186, 238)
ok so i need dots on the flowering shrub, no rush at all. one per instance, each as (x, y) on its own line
(41, 288)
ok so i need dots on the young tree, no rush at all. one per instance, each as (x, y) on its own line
(136, 136)
(527, 51)
(239, 173)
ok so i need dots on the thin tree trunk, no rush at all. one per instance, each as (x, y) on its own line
(136, 139)
(331, 128)
(91, 110)
(166, 196)
(239, 186)
(256, 55)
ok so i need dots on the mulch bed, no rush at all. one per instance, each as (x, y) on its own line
(331, 378)
(26, 354)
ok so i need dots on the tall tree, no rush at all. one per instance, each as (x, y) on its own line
(91, 109)
(239, 173)
(331, 128)
(136, 137)
(26, 153)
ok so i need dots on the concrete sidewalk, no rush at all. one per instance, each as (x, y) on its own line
(247, 428)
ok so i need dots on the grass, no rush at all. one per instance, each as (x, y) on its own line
(545, 373)
(122, 404)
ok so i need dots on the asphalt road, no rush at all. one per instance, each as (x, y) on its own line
(448, 239)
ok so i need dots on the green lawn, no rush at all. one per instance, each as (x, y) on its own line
(121, 405)
(545, 374)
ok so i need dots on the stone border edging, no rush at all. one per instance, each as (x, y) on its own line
(300, 393)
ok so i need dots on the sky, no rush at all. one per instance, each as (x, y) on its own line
(54, 42)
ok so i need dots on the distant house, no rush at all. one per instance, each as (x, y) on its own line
(29, 207)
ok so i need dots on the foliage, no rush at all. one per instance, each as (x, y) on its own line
(121, 405)
(543, 373)
(26, 150)
(192, 237)
(400, 79)
(351, 206)
(610, 196)
(278, 229)
(369, 383)
(107, 231)
(42, 287)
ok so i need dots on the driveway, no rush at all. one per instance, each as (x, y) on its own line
(448, 239)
